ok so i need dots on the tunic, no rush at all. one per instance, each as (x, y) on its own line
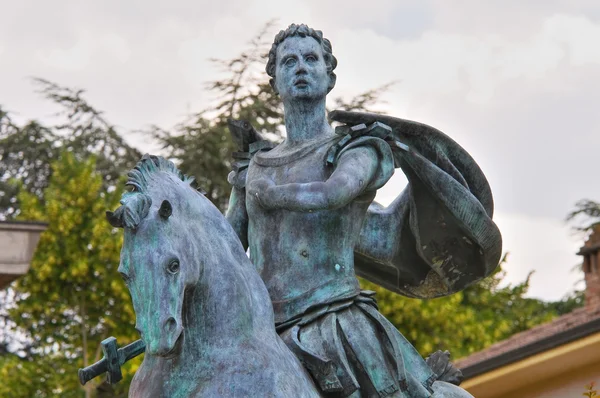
(306, 260)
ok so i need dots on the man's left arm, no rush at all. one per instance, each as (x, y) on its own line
(237, 215)
(354, 172)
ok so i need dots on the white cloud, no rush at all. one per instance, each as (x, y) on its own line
(541, 245)
(115, 46)
(109, 47)
(438, 63)
(578, 34)
(72, 58)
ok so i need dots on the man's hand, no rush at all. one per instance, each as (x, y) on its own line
(259, 189)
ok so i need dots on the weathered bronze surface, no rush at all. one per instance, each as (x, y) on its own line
(305, 210)
(206, 319)
(293, 321)
(113, 360)
(202, 310)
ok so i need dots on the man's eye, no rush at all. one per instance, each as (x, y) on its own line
(290, 62)
(311, 58)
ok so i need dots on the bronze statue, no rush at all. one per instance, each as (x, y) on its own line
(293, 321)
(304, 209)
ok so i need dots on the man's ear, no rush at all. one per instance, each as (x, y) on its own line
(332, 79)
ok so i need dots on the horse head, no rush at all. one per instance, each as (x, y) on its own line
(157, 267)
(172, 232)
(200, 304)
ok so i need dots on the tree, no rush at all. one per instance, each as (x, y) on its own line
(54, 334)
(27, 151)
(584, 219)
(26, 155)
(73, 296)
(585, 216)
(467, 321)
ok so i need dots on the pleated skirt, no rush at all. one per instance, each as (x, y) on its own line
(351, 350)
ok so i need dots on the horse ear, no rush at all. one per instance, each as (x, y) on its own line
(113, 220)
(165, 210)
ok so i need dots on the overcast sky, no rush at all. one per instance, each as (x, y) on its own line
(516, 83)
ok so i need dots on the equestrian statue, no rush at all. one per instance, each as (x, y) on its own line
(290, 319)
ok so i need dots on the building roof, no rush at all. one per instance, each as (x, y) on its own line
(575, 325)
(578, 324)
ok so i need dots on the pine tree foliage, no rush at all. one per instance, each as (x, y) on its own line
(585, 216)
(27, 151)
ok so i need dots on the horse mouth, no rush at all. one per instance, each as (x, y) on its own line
(176, 349)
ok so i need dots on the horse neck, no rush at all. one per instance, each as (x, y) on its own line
(230, 302)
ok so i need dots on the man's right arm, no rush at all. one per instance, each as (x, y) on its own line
(245, 137)
(236, 214)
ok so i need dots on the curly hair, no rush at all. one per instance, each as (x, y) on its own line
(303, 31)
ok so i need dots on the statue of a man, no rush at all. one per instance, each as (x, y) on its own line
(303, 209)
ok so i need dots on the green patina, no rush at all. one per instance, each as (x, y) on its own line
(201, 308)
(216, 323)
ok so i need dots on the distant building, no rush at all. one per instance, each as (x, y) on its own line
(554, 360)
(18, 241)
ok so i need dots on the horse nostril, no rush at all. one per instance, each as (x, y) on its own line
(170, 325)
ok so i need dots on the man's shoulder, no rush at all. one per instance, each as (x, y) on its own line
(280, 156)
(385, 164)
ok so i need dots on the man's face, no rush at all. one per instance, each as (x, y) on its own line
(301, 71)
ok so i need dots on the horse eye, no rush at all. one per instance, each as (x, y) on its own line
(173, 267)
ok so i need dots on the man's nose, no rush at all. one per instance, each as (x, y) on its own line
(300, 67)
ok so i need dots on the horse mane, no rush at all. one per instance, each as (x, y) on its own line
(136, 204)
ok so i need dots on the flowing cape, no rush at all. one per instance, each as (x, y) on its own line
(437, 237)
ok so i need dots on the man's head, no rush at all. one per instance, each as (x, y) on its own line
(301, 31)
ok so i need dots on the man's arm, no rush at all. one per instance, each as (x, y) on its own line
(236, 214)
(353, 174)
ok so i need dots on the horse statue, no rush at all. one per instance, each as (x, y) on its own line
(201, 308)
